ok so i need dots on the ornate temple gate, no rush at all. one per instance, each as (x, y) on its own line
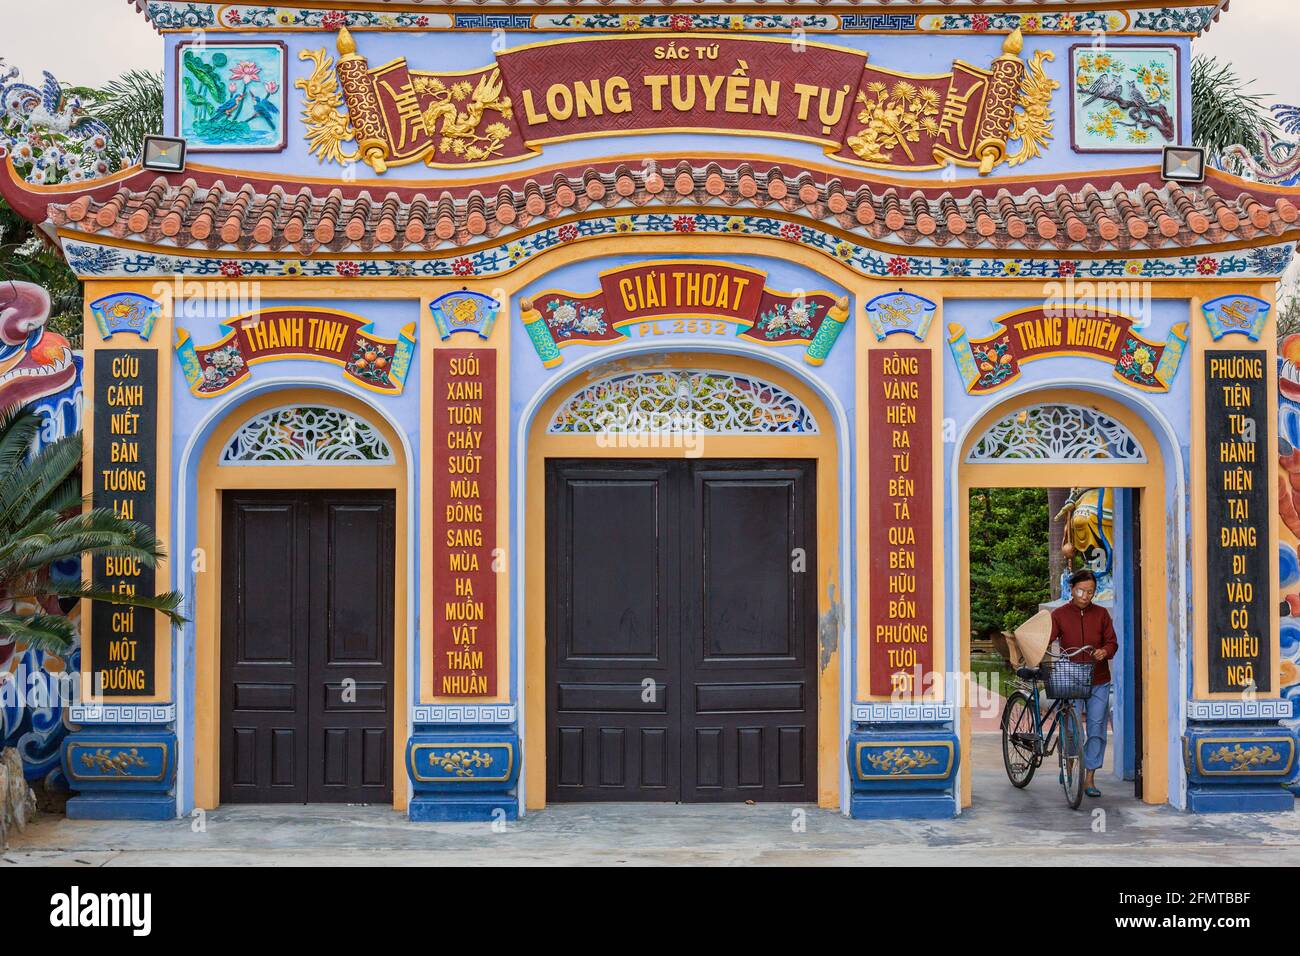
(303, 510)
(452, 256)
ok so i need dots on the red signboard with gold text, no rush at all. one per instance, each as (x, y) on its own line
(576, 88)
(900, 619)
(464, 518)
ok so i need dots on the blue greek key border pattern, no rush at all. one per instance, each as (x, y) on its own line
(464, 714)
(878, 21)
(494, 21)
(1238, 709)
(122, 713)
(881, 713)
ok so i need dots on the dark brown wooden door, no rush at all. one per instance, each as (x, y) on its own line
(681, 630)
(307, 647)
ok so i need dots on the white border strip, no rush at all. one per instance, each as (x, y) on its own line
(1272, 709)
(463, 714)
(122, 713)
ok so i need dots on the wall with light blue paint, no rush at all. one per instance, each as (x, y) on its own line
(927, 53)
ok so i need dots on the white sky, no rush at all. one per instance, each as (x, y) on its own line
(88, 42)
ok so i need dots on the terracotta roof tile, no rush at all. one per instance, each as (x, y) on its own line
(1137, 212)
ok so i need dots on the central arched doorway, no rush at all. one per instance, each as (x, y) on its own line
(709, 437)
(1066, 438)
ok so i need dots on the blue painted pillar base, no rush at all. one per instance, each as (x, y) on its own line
(465, 808)
(903, 772)
(1240, 800)
(121, 773)
(463, 773)
(102, 806)
(902, 806)
(1241, 768)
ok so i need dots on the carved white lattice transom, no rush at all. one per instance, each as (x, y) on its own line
(683, 400)
(1057, 433)
(307, 435)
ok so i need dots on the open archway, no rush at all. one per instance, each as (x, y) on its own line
(1067, 437)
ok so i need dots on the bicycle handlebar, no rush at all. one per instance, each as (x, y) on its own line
(1068, 654)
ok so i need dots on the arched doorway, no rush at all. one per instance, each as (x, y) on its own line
(754, 423)
(1063, 438)
(293, 478)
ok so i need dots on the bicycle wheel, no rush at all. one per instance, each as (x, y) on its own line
(1018, 735)
(1071, 738)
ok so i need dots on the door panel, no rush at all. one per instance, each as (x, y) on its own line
(265, 627)
(611, 631)
(351, 654)
(749, 674)
(307, 647)
(744, 566)
(681, 630)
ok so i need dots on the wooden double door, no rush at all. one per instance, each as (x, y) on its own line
(307, 647)
(681, 630)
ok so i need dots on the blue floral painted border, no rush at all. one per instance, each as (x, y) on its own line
(95, 259)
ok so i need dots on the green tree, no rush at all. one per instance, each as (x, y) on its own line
(1009, 574)
(130, 106)
(1225, 112)
(1288, 311)
(42, 521)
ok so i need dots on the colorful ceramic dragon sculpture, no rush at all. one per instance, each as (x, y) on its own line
(1280, 164)
(34, 362)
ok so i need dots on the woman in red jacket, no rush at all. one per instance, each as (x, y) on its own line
(1080, 623)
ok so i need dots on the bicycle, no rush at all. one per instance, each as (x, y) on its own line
(1025, 744)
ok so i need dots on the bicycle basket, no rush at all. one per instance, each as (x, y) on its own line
(1068, 680)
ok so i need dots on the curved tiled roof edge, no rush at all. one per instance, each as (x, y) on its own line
(1132, 211)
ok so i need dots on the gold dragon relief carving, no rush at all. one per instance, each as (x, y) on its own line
(457, 130)
(328, 126)
(1032, 125)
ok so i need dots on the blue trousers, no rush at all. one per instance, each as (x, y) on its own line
(1093, 710)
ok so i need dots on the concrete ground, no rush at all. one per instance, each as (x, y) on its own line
(1004, 827)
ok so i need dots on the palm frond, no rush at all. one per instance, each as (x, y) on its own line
(19, 426)
(27, 489)
(1225, 112)
(66, 497)
(46, 632)
(40, 553)
(168, 602)
(131, 107)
